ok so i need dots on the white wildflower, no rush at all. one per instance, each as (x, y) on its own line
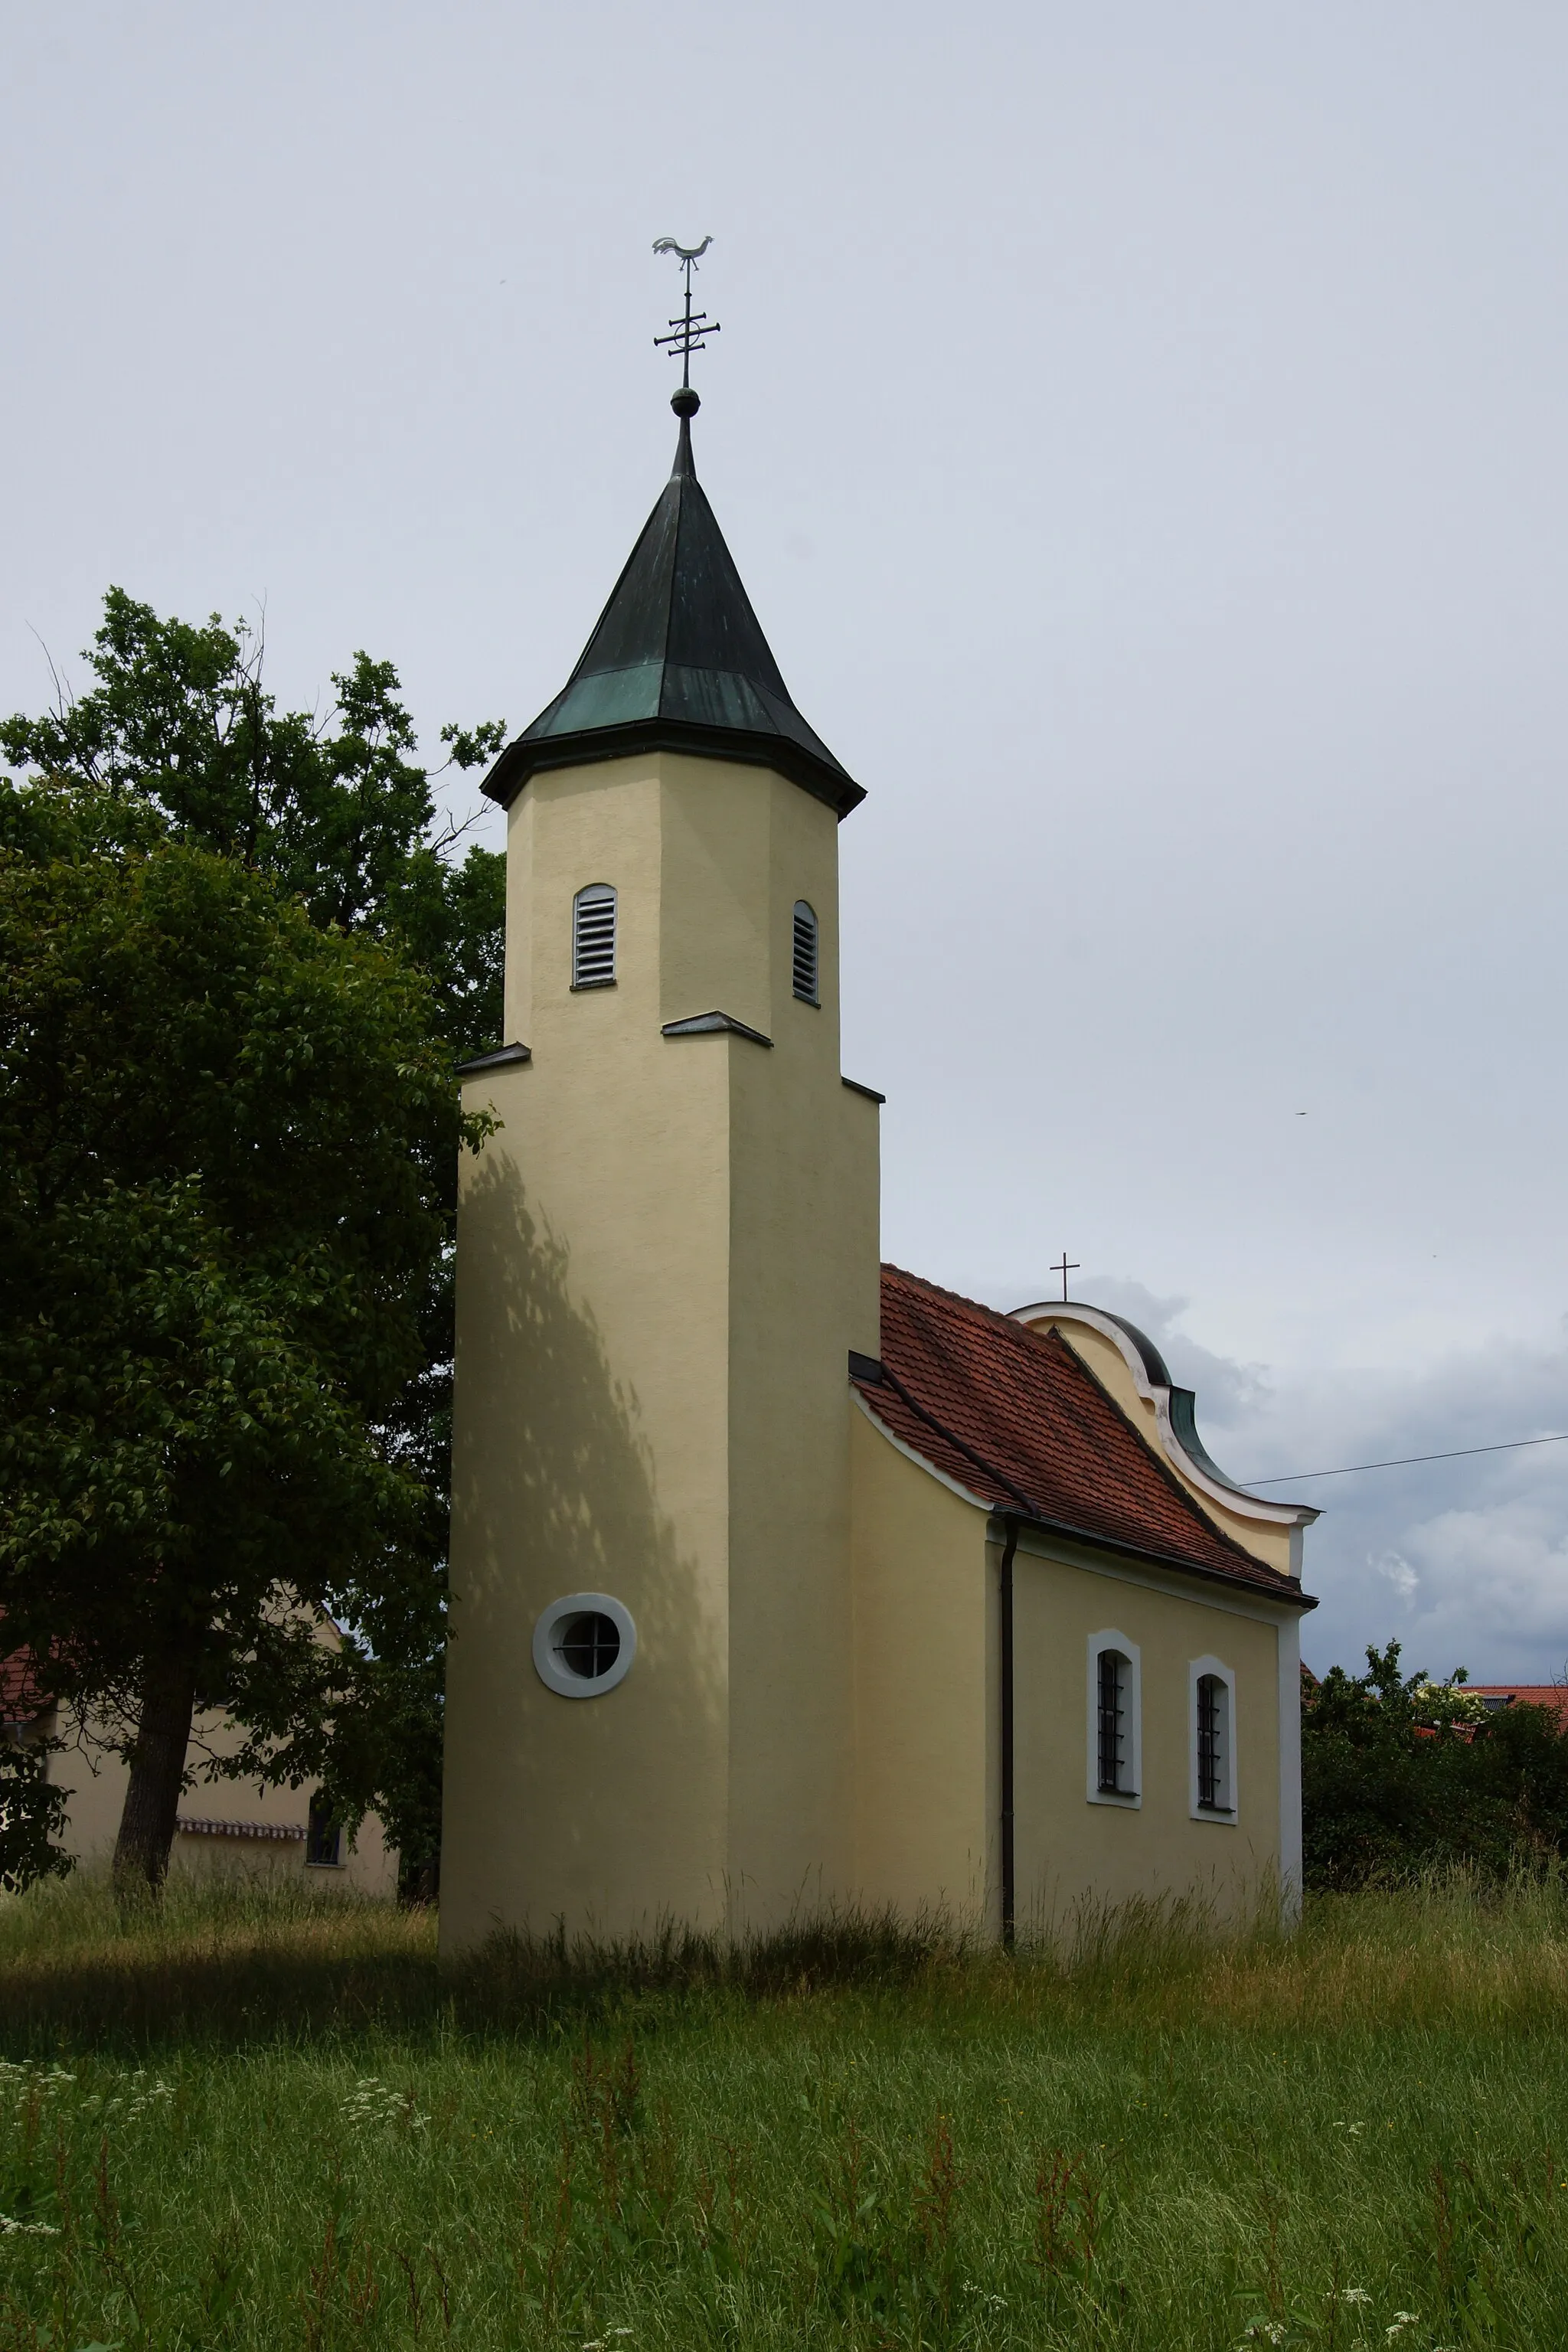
(148, 2099)
(373, 2103)
(1354, 2295)
(10, 2228)
(1402, 2319)
(30, 2080)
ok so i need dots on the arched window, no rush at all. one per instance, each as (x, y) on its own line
(803, 965)
(1111, 1728)
(594, 936)
(1212, 1724)
(1115, 1738)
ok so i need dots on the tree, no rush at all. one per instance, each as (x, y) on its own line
(178, 739)
(32, 1809)
(1400, 1773)
(226, 1146)
(32, 1816)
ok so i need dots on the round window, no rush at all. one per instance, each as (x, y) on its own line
(587, 1645)
(583, 1644)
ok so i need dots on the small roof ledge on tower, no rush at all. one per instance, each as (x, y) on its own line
(1175, 1410)
(714, 1024)
(504, 1057)
(677, 662)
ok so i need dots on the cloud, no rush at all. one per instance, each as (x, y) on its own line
(1493, 1583)
(1400, 1574)
(1227, 1390)
(1464, 1561)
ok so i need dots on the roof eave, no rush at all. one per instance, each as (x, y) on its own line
(524, 759)
(1289, 1596)
(1286, 1593)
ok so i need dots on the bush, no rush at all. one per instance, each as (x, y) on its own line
(1403, 1775)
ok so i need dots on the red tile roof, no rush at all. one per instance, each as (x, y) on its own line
(1015, 1417)
(18, 1690)
(1552, 1695)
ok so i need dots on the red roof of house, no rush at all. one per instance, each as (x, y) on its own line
(18, 1689)
(1552, 1695)
(1016, 1418)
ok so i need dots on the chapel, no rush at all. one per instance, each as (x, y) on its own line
(784, 1579)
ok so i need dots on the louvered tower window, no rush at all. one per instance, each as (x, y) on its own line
(804, 953)
(1113, 1725)
(594, 936)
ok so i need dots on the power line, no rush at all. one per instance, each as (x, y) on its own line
(1402, 1461)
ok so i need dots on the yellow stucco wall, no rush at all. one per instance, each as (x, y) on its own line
(1069, 1849)
(925, 1644)
(663, 1260)
(928, 1583)
(664, 1257)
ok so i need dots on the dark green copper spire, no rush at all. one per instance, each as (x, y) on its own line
(678, 663)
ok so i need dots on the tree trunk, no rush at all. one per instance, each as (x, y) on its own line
(157, 1775)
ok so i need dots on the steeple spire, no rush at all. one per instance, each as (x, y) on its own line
(678, 661)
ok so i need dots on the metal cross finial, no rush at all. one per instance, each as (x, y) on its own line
(1063, 1266)
(690, 329)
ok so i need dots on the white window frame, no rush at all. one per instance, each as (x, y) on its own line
(1225, 1815)
(559, 1678)
(804, 905)
(1130, 1800)
(597, 894)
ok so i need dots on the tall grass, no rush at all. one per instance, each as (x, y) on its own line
(253, 2119)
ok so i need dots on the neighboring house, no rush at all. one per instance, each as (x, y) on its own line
(223, 1824)
(1498, 1695)
(781, 1580)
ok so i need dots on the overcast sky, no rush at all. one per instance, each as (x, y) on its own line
(1141, 431)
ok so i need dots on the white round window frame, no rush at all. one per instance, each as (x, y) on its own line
(548, 1666)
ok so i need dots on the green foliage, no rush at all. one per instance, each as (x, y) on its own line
(1402, 1773)
(178, 743)
(226, 1149)
(179, 736)
(258, 2119)
(32, 1816)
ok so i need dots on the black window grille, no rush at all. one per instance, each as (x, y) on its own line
(323, 1837)
(804, 953)
(1112, 1723)
(588, 1644)
(1211, 1744)
(594, 936)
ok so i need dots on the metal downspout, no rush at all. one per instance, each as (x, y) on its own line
(1009, 1871)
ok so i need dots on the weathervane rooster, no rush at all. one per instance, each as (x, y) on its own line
(689, 329)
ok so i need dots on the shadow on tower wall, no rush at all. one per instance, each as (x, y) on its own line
(609, 1812)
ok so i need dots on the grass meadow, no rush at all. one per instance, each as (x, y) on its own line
(256, 2121)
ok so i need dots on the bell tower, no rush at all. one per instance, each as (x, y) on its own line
(666, 1253)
